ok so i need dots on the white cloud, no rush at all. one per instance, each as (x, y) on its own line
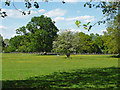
(55, 13)
(41, 10)
(57, 19)
(90, 19)
(17, 14)
(85, 18)
(3, 27)
(74, 30)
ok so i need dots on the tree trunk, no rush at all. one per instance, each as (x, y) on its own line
(68, 55)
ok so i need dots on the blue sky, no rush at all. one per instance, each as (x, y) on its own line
(64, 15)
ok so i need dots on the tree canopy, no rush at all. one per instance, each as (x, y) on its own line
(39, 34)
(36, 36)
(63, 43)
(112, 36)
(69, 42)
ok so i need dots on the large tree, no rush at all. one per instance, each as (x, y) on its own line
(36, 36)
(98, 40)
(113, 36)
(86, 44)
(63, 43)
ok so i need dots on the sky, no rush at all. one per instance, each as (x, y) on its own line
(64, 15)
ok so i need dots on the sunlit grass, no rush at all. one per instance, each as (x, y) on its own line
(22, 66)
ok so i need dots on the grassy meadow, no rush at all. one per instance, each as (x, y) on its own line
(42, 71)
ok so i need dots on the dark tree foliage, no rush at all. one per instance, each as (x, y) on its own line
(36, 36)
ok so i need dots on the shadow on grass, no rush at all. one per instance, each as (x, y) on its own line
(82, 78)
(115, 56)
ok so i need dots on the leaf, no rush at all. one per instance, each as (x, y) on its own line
(90, 6)
(28, 12)
(90, 27)
(88, 23)
(103, 22)
(23, 13)
(7, 3)
(63, 2)
(78, 23)
(85, 5)
(85, 28)
(85, 25)
(36, 5)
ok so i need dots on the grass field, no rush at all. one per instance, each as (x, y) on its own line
(27, 68)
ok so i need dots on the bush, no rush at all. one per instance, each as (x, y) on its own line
(10, 49)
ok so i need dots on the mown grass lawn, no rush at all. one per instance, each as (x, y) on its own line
(79, 71)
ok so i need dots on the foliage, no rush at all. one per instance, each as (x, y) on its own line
(63, 43)
(86, 44)
(112, 36)
(68, 42)
(98, 40)
(1, 41)
(11, 49)
(36, 36)
(109, 10)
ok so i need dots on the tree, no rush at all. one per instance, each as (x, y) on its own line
(14, 43)
(68, 42)
(1, 41)
(36, 36)
(44, 31)
(86, 44)
(6, 41)
(98, 40)
(113, 36)
(5, 44)
(63, 44)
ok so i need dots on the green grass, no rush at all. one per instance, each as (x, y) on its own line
(27, 69)
(98, 78)
(22, 66)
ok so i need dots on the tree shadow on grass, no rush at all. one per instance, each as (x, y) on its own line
(115, 56)
(82, 78)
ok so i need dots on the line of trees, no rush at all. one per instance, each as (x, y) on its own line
(40, 35)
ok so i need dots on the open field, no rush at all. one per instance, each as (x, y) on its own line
(30, 67)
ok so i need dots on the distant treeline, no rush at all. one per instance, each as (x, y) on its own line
(40, 35)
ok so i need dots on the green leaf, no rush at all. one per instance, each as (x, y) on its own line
(85, 28)
(85, 5)
(85, 25)
(7, 3)
(88, 23)
(78, 23)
